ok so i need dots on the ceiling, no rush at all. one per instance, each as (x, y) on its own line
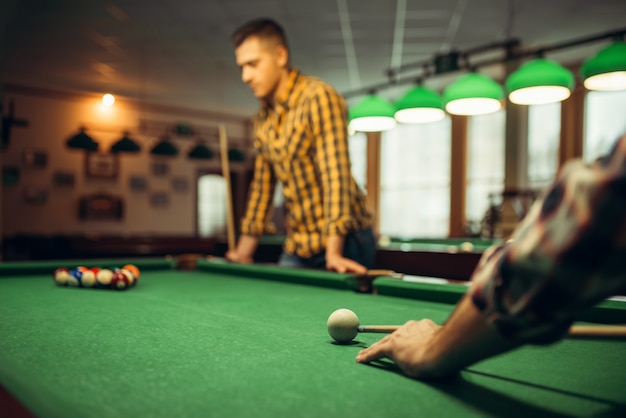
(178, 52)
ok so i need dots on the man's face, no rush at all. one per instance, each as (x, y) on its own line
(261, 62)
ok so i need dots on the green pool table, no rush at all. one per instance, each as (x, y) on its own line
(251, 341)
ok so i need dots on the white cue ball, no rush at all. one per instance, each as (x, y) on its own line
(467, 247)
(343, 325)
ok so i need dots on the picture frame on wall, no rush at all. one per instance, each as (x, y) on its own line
(35, 195)
(35, 158)
(159, 200)
(101, 207)
(160, 169)
(101, 165)
(64, 178)
(180, 184)
(138, 183)
(10, 175)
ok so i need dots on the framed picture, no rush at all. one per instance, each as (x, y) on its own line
(159, 200)
(101, 207)
(101, 165)
(160, 169)
(35, 158)
(35, 195)
(64, 179)
(10, 175)
(180, 184)
(138, 183)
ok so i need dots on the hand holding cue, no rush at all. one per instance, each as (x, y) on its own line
(601, 331)
(230, 223)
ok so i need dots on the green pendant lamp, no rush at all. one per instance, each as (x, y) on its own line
(82, 141)
(372, 114)
(165, 148)
(200, 152)
(126, 144)
(607, 70)
(473, 94)
(419, 105)
(540, 81)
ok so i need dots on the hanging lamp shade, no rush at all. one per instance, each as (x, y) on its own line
(419, 105)
(125, 144)
(372, 114)
(473, 94)
(540, 81)
(200, 152)
(607, 70)
(164, 147)
(82, 141)
(236, 155)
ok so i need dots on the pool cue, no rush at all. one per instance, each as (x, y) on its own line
(230, 223)
(601, 331)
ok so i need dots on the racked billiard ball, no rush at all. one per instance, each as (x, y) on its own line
(88, 278)
(129, 275)
(74, 277)
(61, 276)
(133, 269)
(119, 281)
(104, 278)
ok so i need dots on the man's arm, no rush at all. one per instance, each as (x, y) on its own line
(245, 249)
(335, 259)
(425, 350)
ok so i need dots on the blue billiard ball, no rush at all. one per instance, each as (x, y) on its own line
(74, 278)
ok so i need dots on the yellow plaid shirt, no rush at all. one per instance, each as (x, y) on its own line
(302, 142)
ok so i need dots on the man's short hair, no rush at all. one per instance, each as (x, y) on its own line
(264, 28)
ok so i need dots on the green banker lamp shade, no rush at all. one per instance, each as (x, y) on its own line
(419, 105)
(126, 144)
(82, 141)
(165, 148)
(200, 152)
(539, 81)
(473, 94)
(372, 114)
(607, 70)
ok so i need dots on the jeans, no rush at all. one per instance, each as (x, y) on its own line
(359, 246)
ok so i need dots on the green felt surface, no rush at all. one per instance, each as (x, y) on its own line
(214, 343)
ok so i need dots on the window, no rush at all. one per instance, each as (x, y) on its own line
(358, 158)
(415, 180)
(544, 129)
(485, 166)
(211, 205)
(604, 122)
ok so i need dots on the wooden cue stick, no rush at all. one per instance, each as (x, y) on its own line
(230, 222)
(606, 331)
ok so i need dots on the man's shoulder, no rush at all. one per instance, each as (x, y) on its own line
(313, 86)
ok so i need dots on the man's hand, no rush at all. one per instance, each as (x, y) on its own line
(244, 251)
(407, 347)
(341, 264)
(236, 257)
(425, 350)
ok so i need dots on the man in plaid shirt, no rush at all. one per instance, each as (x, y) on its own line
(302, 142)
